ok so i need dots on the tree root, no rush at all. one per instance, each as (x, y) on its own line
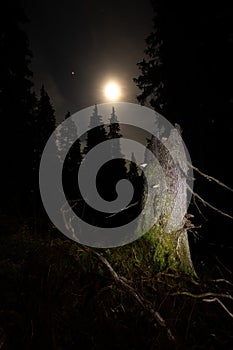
(125, 285)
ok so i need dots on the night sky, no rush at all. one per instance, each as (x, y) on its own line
(98, 41)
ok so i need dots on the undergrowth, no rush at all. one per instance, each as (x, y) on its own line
(55, 295)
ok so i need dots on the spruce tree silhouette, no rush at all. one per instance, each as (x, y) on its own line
(66, 138)
(97, 132)
(96, 135)
(187, 74)
(26, 121)
(188, 66)
(17, 105)
(43, 125)
(45, 120)
(115, 169)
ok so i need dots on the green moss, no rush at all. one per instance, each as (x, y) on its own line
(156, 251)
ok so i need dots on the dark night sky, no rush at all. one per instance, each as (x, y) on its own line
(98, 40)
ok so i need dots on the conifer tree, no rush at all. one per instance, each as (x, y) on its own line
(115, 169)
(45, 116)
(114, 132)
(44, 123)
(97, 132)
(115, 149)
(17, 105)
(153, 80)
(66, 140)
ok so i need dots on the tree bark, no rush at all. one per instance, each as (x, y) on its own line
(169, 204)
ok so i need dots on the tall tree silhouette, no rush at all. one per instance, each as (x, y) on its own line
(115, 169)
(193, 63)
(45, 119)
(152, 80)
(43, 125)
(188, 65)
(114, 132)
(97, 132)
(115, 148)
(66, 138)
(17, 103)
(94, 136)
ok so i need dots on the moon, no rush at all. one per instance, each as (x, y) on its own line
(112, 91)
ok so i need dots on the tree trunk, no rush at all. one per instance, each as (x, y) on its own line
(168, 205)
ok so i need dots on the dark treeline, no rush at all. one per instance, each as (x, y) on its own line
(115, 169)
(28, 121)
(187, 76)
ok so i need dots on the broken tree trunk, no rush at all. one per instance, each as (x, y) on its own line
(169, 204)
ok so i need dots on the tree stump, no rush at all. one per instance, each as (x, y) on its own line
(169, 204)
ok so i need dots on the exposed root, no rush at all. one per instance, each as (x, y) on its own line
(204, 295)
(121, 281)
(220, 303)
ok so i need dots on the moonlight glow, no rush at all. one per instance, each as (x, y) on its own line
(112, 91)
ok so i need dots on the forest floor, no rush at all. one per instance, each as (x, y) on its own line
(55, 295)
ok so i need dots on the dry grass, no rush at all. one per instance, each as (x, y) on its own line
(55, 295)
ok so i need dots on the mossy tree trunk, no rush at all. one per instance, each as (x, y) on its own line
(168, 205)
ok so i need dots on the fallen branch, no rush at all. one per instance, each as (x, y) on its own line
(220, 262)
(210, 178)
(222, 280)
(126, 286)
(208, 204)
(199, 210)
(220, 303)
(203, 200)
(204, 295)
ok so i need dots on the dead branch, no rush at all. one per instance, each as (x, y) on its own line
(199, 210)
(208, 204)
(130, 290)
(210, 178)
(173, 276)
(196, 195)
(225, 268)
(222, 280)
(220, 303)
(204, 295)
